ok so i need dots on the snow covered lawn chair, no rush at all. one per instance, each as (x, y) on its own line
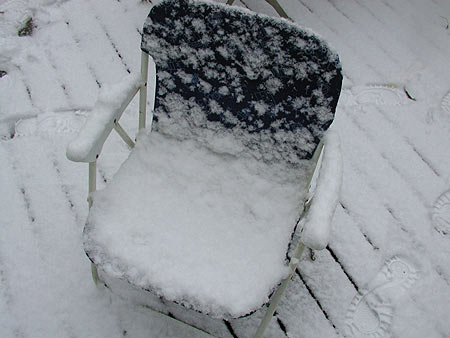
(202, 214)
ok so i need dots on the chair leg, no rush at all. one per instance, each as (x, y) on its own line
(94, 272)
(92, 185)
(274, 4)
(92, 188)
(143, 91)
(278, 9)
(280, 291)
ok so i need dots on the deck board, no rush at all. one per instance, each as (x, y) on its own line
(99, 51)
(41, 80)
(125, 38)
(396, 161)
(302, 315)
(68, 61)
(309, 18)
(322, 276)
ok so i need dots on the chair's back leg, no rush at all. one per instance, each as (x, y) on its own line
(278, 9)
(143, 91)
(274, 4)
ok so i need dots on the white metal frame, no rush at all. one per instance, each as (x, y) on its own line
(92, 185)
(142, 89)
(295, 258)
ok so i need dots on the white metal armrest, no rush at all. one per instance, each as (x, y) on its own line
(108, 109)
(321, 206)
(319, 211)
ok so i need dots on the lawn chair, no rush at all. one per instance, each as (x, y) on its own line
(204, 215)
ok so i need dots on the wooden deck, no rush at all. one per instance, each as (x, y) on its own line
(396, 156)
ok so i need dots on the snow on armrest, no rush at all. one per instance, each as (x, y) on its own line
(317, 222)
(110, 105)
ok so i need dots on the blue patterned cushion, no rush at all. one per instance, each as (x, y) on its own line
(226, 75)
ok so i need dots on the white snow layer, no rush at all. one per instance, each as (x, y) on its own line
(195, 226)
(396, 161)
(317, 224)
(109, 107)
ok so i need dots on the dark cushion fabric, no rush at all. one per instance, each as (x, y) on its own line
(225, 72)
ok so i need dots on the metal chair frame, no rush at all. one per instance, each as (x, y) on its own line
(114, 124)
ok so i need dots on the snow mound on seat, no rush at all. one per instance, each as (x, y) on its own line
(206, 230)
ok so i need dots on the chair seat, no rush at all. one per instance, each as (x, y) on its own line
(203, 228)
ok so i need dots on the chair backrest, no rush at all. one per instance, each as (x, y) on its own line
(240, 81)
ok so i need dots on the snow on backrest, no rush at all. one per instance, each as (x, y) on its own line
(240, 81)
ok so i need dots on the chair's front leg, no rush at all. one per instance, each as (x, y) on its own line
(92, 181)
(143, 91)
(92, 188)
(295, 259)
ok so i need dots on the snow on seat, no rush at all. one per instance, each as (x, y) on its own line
(203, 210)
(196, 226)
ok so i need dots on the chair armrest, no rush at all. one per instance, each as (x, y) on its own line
(322, 205)
(108, 109)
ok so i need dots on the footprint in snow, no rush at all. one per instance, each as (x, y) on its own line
(373, 95)
(370, 312)
(50, 123)
(441, 212)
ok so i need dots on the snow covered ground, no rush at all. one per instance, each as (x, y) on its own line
(386, 273)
